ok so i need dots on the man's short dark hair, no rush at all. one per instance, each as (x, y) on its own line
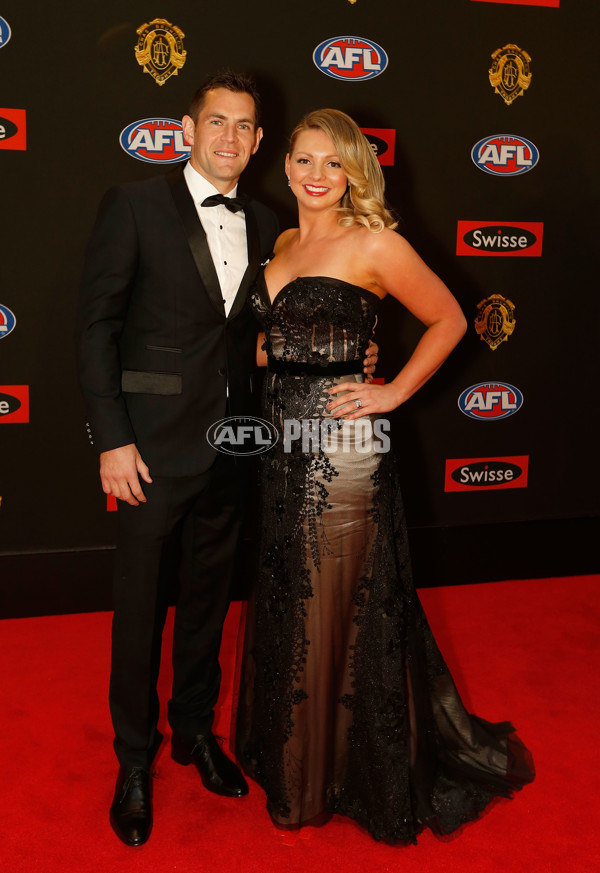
(239, 83)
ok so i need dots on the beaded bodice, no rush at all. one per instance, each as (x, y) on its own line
(316, 319)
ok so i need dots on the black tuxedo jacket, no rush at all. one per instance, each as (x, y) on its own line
(156, 351)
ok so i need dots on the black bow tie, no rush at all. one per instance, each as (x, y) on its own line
(234, 204)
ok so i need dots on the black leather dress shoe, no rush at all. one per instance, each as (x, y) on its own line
(131, 810)
(218, 773)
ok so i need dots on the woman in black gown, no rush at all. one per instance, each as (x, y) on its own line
(345, 702)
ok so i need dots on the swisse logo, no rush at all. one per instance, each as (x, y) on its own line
(383, 141)
(553, 3)
(155, 140)
(480, 474)
(5, 32)
(14, 404)
(490, 238)
(8, 404)
(7, 321)
(13, 129)
(8, 128)
(506, 237)
(351, 58)
(490, 401)
(242, 435)
(505, 155)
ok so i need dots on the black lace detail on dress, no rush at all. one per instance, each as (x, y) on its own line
(346, 704)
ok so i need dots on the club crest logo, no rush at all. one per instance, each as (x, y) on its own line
(510, 75)
(160, 50)
(495, 320)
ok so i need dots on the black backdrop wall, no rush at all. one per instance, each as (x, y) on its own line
(70, 84)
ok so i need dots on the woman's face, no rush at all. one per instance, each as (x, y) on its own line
(314, 169)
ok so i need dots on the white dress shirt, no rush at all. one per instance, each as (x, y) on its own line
(225, 232)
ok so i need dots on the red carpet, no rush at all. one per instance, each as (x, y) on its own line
(527, 651)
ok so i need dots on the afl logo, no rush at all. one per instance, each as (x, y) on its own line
(155, 141)
(505, 155)
(351, 58)
(7, 321)
(489, 401)
(242, 435)
(5, 32)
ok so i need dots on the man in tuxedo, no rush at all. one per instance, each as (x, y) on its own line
(167, 347)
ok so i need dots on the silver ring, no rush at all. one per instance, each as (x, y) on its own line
(358, 403)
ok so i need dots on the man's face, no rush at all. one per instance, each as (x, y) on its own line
(224, 137)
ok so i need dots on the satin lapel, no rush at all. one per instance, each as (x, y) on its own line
(196, 238)
(253, 239)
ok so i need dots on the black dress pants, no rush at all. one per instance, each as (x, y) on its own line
(207, 512)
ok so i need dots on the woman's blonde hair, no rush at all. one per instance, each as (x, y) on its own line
(363, 201)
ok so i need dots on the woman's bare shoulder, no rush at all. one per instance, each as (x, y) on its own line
(386, 240)
(284, 238)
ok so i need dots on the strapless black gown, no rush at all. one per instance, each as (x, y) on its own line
(345, 702)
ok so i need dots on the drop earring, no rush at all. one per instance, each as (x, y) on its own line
(289, 183)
